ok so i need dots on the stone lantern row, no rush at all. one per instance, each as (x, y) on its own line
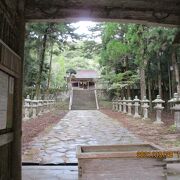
(34, 108)
(125, 106)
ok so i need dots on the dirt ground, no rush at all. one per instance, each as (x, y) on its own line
(33, 127)
(163, 135)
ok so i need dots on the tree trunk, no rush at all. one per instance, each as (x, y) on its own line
(143, 62)
(128, 92)
(41, 64)
(127, 68)
(176, 70)
(142, 82)
(122, 92)
(50, 68)
(159, 78)
(169, 79)
(150, 96)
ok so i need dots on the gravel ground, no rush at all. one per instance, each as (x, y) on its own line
(33, 127)
(163, 135)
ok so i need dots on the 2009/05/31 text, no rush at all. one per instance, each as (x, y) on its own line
(157, 154)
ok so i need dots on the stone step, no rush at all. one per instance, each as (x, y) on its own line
(83, 100)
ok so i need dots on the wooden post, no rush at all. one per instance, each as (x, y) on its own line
(17, 123)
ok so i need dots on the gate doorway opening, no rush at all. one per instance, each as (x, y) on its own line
(14, 15)
(57, 145)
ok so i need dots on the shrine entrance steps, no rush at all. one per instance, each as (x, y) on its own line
(83, 100)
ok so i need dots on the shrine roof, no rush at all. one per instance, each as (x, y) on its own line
(86, 74)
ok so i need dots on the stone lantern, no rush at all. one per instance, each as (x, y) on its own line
(119, 104)
(145, 106)
(40, 107)
(116, 105)
(34, 107)
(176, 109)
(124, 106)
(46, 106)
(136, 107)
(27, 107)
(113, 104)
(129, 104)
(158, 101)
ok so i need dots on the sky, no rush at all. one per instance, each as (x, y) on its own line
(82, 28)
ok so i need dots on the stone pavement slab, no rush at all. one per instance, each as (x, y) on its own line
(78, 127)
(49, 173)
(71, 172)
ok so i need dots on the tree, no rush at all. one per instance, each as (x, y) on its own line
(175, 47)
(142, 50)
(41, 37)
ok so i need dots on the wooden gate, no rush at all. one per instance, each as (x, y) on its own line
(10, 64)
(11, 50)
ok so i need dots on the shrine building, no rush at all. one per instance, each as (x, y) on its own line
(84, 79)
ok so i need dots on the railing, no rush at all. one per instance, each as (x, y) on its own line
(35, 108)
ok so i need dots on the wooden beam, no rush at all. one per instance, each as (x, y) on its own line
(160, 12)
(6, 138)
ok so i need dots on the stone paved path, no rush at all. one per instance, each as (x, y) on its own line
(87, 127)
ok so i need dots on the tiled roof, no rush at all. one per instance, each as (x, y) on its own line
(83, 74)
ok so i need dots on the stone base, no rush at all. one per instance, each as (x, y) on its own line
(26, 119)
(40, 114)
(137, 116)
(158, 122)
(146, 119)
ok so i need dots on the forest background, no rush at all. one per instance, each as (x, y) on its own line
(132, 59)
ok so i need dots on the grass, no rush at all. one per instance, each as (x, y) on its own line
(105, 104)
(172, 129)
(62, 105)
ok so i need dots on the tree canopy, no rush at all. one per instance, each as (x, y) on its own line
(132, 58)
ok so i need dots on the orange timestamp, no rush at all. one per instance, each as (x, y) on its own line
(157, 154)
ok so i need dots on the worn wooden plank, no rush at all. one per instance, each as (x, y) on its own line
(10, 61)
(122, 147)
(5, 162)
(6, 138)
(3, 99)
(10, 103)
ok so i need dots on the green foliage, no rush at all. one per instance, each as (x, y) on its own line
(172, 129)
(70, 71)
(116, 50)
(57, 37)
(124, 50)
(128, 47)
(77, 57)
(58, 73)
